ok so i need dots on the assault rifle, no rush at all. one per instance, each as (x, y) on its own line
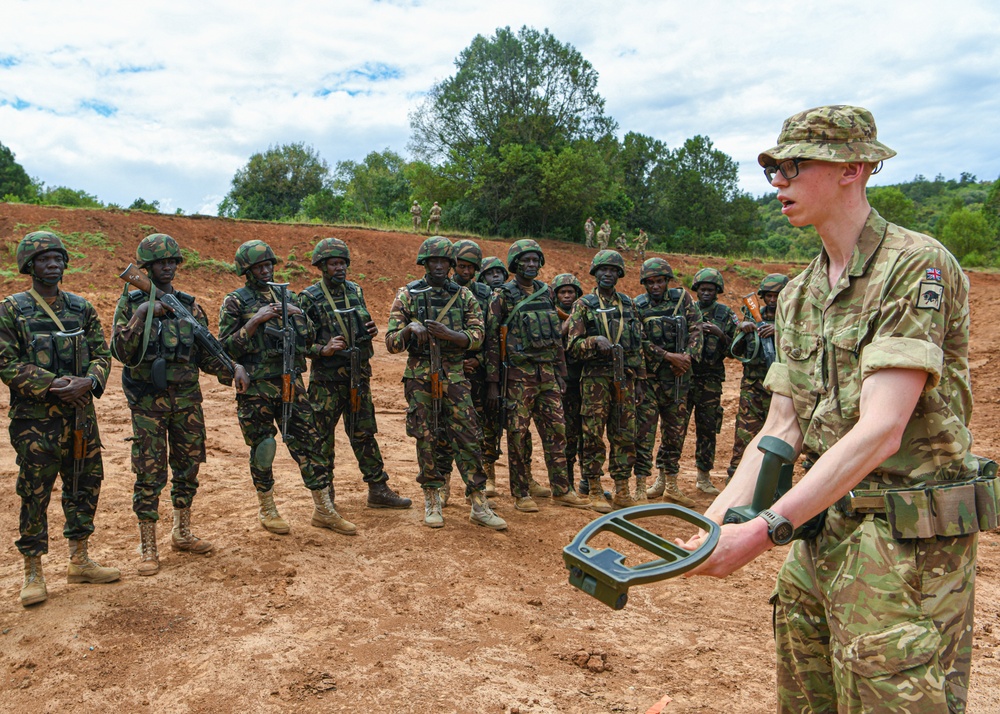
(766, 343)
(504, 369)
(79, 413)
(437, 391)
(355, 355)
(286, 333)
(680, 340)
(208, 341)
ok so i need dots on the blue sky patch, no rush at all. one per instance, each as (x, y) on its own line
(18, 103)
(354, 81)
(105, 110)
(9, 61)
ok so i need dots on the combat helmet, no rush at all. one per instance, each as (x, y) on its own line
(493, 262)
(469, 251)
(436, 247)
(36, 243)
(773, 283)
(653, 267)
(331, 248)
(519, 248)
(251, 253)
(708, 275)
(564, 279)
(608, 257)
(158, 246)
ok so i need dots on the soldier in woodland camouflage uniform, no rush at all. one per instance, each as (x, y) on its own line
(436, 308)
(600, 322)
(52, 375)
(666, 312)
(708, 373)
(754, 399)
(875, 612)
(162, 360)
(468, 262)
(588, 232)
(243, 331)
(603, 236)
(493, 273)
(415, 214)
(336, 307)
(568, 290)
(536, 366)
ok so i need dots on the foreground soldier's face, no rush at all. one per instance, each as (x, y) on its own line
(162, 271)
(493, 277)
(464, 272)
(607, 276)
(566, 296)
(335, 269)
(656, 286)
(770, 299)
(707, 293)
(48, 266)
(437, 270)
(263, 271)
(528, 265)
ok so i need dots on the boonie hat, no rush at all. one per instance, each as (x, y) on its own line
(839, 133)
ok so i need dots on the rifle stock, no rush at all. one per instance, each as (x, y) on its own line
(766, 343)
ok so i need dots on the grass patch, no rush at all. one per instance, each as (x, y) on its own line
(194, 261)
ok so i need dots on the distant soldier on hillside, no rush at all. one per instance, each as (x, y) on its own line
(588, 232)
(415, 213)
(434, 221)
(604, 236)
(640, 245)
(621, 244)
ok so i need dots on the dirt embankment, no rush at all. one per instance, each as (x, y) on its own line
(400, 617)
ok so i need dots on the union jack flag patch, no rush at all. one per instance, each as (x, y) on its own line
(934, 274)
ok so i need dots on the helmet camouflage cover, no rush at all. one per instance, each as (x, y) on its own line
(251, 253)
(519, 248)
(566, 279)
(469, 251)
(158, 246)
(773, 283)
(608, 257)
(331, 248)
(653, 267)
(435, 247)
(35, 244)
(708, 275)
(493, 262)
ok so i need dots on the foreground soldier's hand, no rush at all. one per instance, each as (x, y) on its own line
(242, 379)
(336, 344)
(72, 390)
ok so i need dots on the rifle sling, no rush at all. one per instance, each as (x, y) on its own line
(604, 319)
(333, 306)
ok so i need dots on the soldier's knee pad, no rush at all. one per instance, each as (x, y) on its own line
(263, 454)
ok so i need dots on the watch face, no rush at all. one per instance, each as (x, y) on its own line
(782, 532)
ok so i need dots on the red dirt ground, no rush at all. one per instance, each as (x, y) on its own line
(400, 617)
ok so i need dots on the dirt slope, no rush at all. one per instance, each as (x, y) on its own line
(400, 617)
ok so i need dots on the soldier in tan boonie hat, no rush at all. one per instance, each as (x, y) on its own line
(839, 133)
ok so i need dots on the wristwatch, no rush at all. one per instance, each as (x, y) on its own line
(779, 528)
(94, 384)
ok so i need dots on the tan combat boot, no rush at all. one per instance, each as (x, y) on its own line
(572, 499)
(33, 591)
(325, 514)
(673, 494)
(525, 504)
(432, 508)
(597, 501)
(640, 489)
(537, 490)
(181, 537)
(705, 483)
(483, 515)
(268, 514)
(491, 480)
(656, 490)
(149, 560)
(84, 570)
(623, 495)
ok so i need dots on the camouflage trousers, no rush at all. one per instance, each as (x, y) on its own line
(258, 415)
(444, 455)
(331, 401)
(537, 399)
(183, 431)
(45, 450)
(574, 428)
(704, 401)
(866, 623)
(659, 407)
(597, 413)
(754, 403)
(458, 423)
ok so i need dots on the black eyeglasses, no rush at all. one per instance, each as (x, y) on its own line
(789, 168)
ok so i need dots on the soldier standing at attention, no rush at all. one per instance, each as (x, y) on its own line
(493, 274)
(708, 373)
(568, 290)
(602, 323)
(673, 330)
(162, 360)
(54, 359)
(746, 347)
(536, 366)
(435, 313)
(468, 262)
(243, 330)
(875, 611)
(640, 245)
(603, 236)
(434, 220)
(336, 308)
(588, 232)
(415, 213)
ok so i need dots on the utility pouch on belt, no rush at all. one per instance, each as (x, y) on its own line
(158, 373)
(938, 509)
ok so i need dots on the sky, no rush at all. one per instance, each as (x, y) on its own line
(166, 101)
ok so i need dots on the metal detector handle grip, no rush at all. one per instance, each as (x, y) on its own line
(602, 573)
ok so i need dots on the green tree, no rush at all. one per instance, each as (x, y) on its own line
(141, 204)
(272, 184)
(893, 205)
(643, 161)
(14, 180)
(376, 187)
(71, 197)
(968, 235)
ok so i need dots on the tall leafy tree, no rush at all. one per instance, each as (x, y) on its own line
(272, 184)
(14, 180)
(376, 187)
